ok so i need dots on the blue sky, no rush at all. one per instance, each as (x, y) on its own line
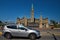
(11, 9)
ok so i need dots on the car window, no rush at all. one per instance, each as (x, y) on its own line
(12, 27)
(22, 28)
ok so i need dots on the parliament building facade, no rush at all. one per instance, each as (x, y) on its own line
(41, 23)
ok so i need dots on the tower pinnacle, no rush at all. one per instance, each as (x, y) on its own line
(32, 14)
(32, 6)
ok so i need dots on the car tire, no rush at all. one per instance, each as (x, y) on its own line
(8, 35)
(32, 37)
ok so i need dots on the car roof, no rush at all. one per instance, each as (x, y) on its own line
(11, 25)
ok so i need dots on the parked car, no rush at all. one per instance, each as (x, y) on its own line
(20, 31)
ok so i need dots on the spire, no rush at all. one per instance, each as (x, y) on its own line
(32, 6)
(32, 14)
(41, 16)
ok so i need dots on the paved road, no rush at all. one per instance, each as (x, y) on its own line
(45, 35)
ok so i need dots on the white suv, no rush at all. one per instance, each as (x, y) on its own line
(20, 31)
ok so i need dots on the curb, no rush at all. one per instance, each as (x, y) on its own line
(57, 34)
(56, 28)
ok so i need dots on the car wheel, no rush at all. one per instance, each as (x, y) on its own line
(32, 37)
(8, 35)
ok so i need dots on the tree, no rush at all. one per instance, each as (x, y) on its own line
(54, 23)
(1, 23)
(58, 25)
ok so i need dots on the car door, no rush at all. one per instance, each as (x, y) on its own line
(23, 32)
(13, 30)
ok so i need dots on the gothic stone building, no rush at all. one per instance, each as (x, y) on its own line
(41, 23)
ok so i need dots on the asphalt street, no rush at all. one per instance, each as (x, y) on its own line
(45, 37)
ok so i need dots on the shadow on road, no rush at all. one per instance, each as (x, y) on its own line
(19, 38)
(54, 37)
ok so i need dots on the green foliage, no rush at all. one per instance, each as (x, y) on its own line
(58, 25)
(1, 23)
(54, 23)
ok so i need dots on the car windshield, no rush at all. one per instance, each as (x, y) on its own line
(20, 25)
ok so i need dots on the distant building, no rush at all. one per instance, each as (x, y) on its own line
(8, 22)
(41, 23)
(58, 22)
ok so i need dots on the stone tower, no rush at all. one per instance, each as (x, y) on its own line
(32, 14)
(47, 26)
(40, 22)
(25, 21)
(18, 20)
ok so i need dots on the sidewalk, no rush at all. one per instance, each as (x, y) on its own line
(44, 34)
(56, 28)
(55, 33)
